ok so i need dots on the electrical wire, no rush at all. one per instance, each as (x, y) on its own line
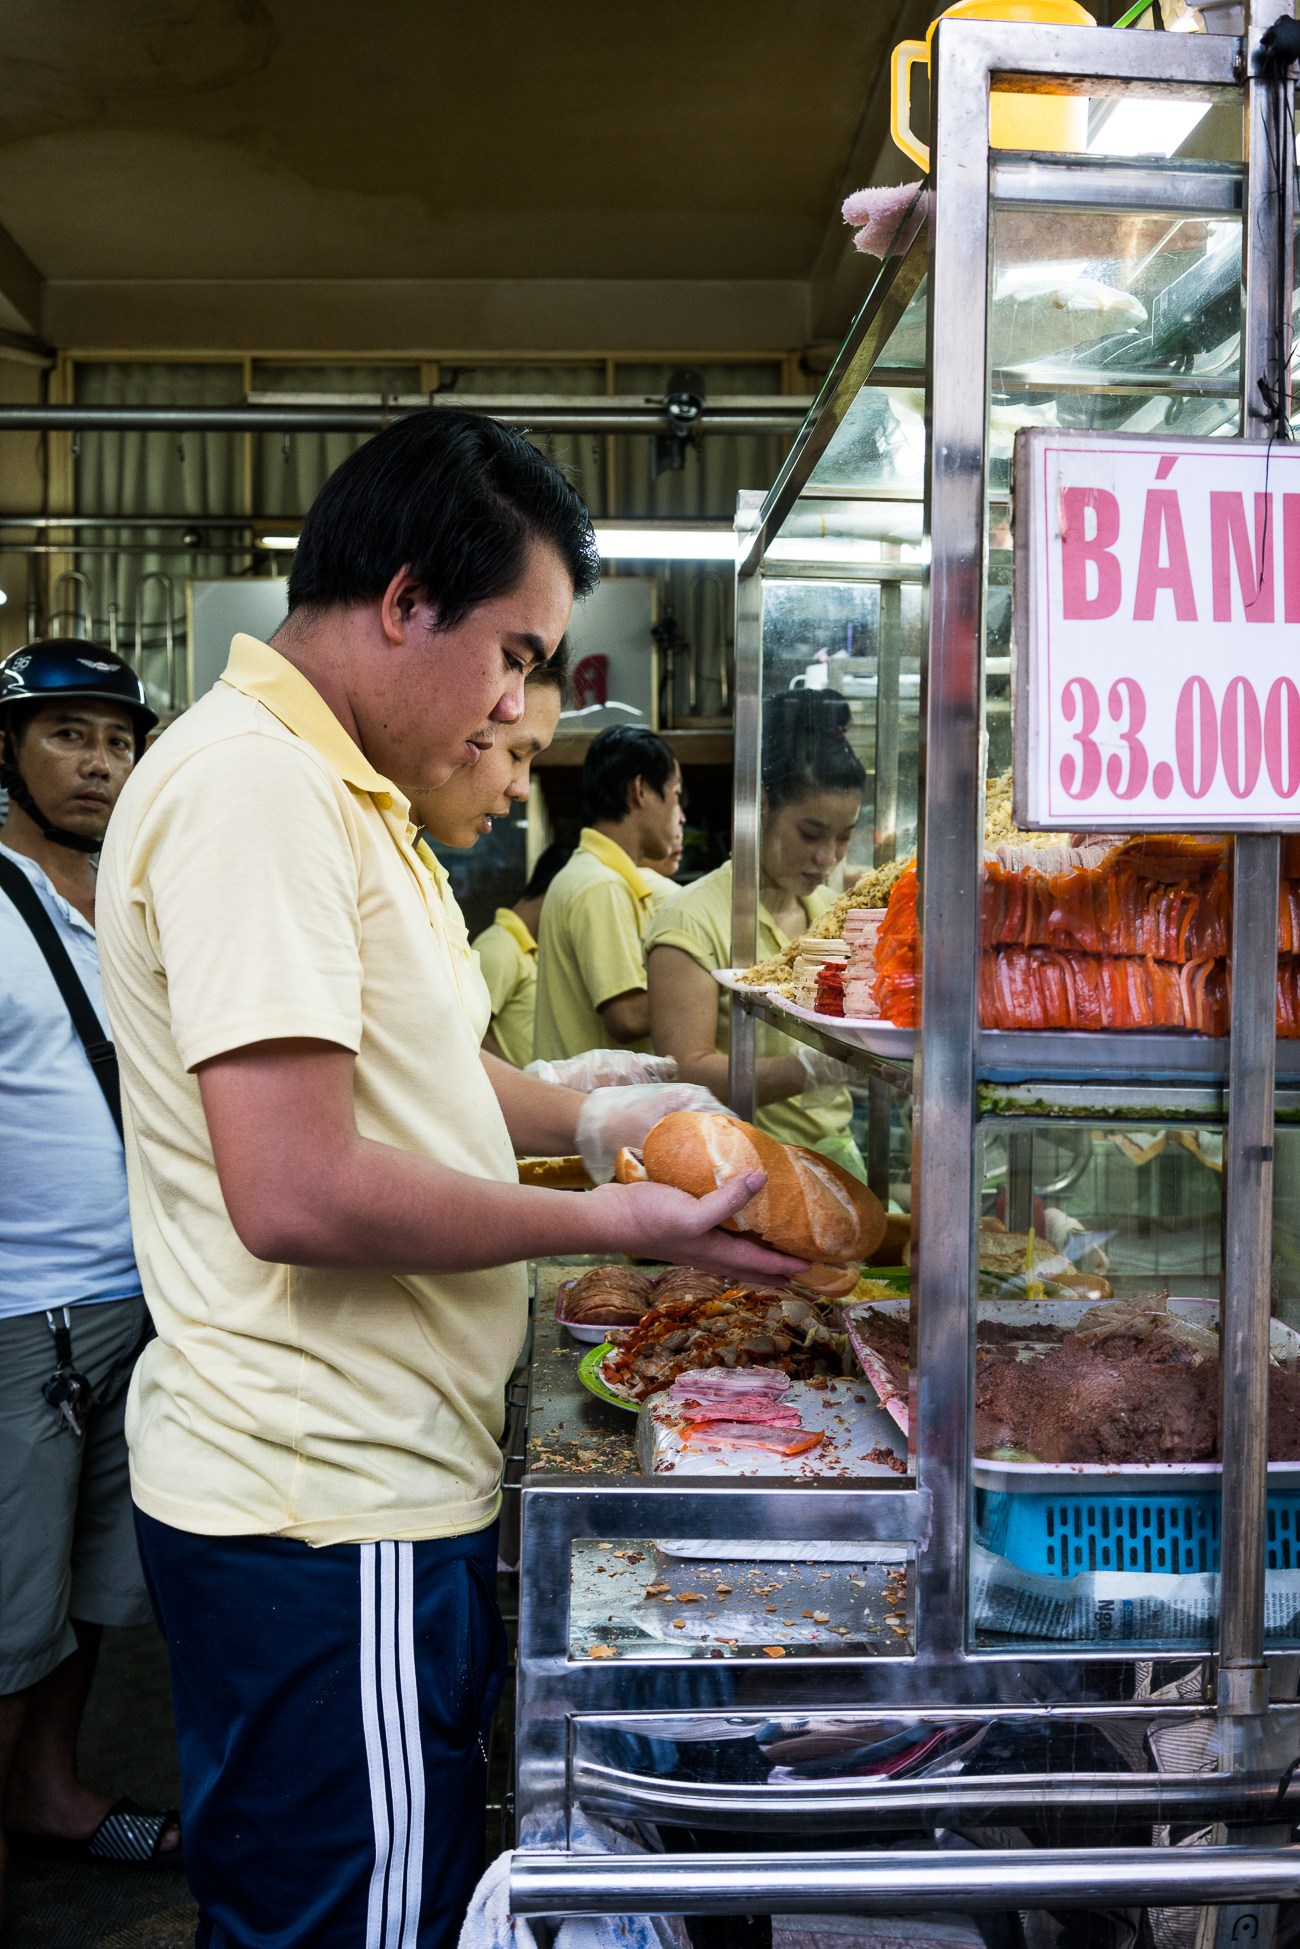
(1277, 51)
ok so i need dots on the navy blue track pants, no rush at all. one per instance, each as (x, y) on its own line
(332, 1709)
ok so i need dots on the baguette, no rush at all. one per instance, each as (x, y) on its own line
(809, 1208)
(828, 1281)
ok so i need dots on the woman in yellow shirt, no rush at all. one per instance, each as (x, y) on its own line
(812, 795)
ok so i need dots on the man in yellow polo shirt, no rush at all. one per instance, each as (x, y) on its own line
(327, 1216)
(591, 981)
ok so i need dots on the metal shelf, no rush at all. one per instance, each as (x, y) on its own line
(754, 1002)
(1046, 1073)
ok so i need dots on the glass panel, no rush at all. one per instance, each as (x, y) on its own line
(1098, 1386)
(906, 344)
(652, 1600)
(1089, 300)
(880, 443)
(851, 651)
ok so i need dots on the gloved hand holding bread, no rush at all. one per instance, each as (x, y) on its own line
(810, 1208)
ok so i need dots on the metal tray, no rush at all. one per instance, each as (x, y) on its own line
(1044, 1477)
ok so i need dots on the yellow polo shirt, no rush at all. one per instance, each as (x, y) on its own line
(260, 880)
(659, 888)
(589, 948)
(507, 954)
(699, 922)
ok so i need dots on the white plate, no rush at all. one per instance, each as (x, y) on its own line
(729, 978)
(858, 1031)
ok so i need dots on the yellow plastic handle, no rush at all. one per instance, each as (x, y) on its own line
(904, 59)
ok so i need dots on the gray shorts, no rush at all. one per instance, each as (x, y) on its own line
(67, 1530)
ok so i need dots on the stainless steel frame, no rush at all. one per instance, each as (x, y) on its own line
(898, 1883)
(957, 1073)
(269, 413)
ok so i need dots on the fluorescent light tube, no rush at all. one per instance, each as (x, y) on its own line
(667, 544)
(278, 541)
(1146, 128)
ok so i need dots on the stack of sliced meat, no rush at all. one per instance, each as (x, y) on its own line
(739, 1408)
(861, 928)
(684, 1282)
(1109, 934)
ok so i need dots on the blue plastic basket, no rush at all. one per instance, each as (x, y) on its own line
(1063, 1535)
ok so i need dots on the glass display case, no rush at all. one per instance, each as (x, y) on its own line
(1042, 1588)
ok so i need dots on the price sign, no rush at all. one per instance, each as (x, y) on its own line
(1157, 642)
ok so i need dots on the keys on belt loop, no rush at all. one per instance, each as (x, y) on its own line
(68, 1392)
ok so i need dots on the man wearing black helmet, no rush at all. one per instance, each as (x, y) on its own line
(73, 719)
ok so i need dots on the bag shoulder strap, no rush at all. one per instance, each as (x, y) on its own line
(100, 1053)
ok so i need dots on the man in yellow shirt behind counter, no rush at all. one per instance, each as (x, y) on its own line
(591, 979)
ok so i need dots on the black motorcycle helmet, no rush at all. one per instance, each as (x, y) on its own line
(45, 673)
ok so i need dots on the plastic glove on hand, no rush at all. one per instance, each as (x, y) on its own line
(602, 1069)
(613, 1118)
(826, 1075)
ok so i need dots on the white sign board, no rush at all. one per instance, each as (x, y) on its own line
(1157, 672)
(612, 656)
(217, 608)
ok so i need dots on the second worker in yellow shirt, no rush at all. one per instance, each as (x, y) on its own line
(591, 979)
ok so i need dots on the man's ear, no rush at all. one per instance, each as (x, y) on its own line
(399, 603)
(636, 794)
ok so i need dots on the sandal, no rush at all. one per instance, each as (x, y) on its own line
(129, 1836)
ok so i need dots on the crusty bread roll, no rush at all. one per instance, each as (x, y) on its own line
(809, 1207)
(829, 1281)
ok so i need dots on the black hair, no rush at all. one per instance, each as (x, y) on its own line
(616, 759)
(453, 495)
(553, 674)
(806, 747)
(557, 854)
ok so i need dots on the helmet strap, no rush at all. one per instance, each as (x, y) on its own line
(13, 782)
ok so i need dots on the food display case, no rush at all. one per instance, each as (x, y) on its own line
(1075, 1654)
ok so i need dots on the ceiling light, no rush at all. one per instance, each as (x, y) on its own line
(1146, 128)
(278, 541)
(668, 544)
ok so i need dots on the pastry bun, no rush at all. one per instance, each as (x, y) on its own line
(809, 1208)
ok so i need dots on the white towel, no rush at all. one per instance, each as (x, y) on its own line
(490, 1925)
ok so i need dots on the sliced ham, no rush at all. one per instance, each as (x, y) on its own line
(722, 1382)
(735, 1434)
(760, 1412)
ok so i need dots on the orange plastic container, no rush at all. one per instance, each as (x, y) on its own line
(1057, 122)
